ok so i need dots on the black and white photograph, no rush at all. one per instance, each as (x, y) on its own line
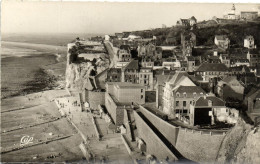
(130, 82)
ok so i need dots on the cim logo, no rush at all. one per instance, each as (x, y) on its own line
(26, 140)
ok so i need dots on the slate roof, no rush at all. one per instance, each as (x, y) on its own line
(208, 67)
(132, 65)
(125, 47)
(254, 51)
(177, 76)
(161, 79)
(249, 36)
(189, 90)
(203, 101)
(239, 68)
(221, 37)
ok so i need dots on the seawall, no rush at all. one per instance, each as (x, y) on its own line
(194, 145)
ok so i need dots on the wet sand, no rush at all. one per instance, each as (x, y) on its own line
(28, 68)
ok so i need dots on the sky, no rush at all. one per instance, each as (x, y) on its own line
(105, 18)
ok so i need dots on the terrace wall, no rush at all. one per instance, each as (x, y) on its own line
(154, 144)
(194, 145)
(168, 130)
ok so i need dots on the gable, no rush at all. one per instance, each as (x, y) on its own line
(185, 81)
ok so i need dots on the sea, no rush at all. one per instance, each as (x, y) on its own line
(25, 58)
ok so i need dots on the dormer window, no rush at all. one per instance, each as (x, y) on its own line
(194, 94)
(184, 94)
(201, 93)
(209, 103)
(178, 94)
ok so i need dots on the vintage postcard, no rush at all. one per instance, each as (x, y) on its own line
(130, 82)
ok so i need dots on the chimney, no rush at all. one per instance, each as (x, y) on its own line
(210, 103)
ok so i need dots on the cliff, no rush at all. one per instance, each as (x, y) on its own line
(78, 73)
(240, 145)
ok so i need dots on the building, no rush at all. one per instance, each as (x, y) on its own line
(180, 78)
(123, 56)
(211, 70)
(249, 15)
(252, 100)
(230, 87)
(130, 72)
(190, 63)
(225, 59)
(222, 41)
(239, 70)
(187, 49)
(239, 62)
(182, 97)
(159, 85)
(150, 50)
(249, 42)
(232, 14)
(206, 110)
(189, 37)
(253, 56)
(120, 97)
(114, 75)
(146, 78)
(147, 62)
(187, 22)
(119, 36)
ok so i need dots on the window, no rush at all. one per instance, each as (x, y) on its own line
(184, 94)
(178, 94)
(177, 103)
(141, 90)
(142, 96)
(144, 76)
(145, 82)
(184, 103)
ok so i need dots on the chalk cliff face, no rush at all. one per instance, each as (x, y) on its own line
(241, 145)
(77, 74)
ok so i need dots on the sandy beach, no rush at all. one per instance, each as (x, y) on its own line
(29, 67)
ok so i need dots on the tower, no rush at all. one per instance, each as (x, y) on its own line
(233, 9)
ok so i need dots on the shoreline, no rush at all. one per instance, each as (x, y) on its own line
(32, 72)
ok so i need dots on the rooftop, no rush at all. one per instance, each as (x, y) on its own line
(221, 37)
(204, 102)
(128, 85)
(189, 90)
(132, 65)
(205, 67)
